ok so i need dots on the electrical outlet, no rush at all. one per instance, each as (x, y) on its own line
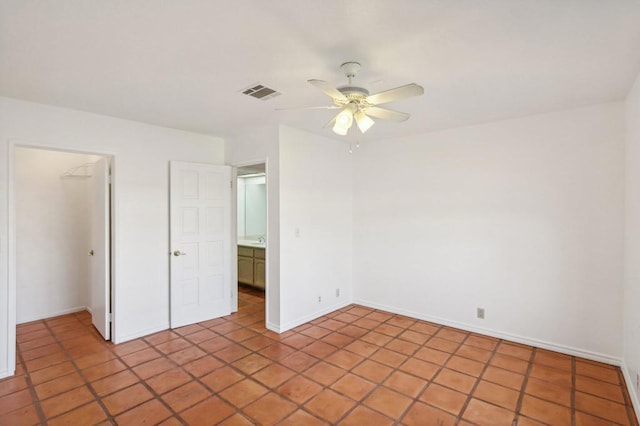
(480, 313)
(337, 292)
(297, 232)
(319, 299)
(638, 381)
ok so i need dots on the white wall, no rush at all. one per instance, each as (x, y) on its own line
(315, 199)
(141, 157)
(631, 352)
(522, 217)
(309, 187)
(52, 234)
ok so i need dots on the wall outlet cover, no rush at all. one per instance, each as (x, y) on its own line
(480, 313)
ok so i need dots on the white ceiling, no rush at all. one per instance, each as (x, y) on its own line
(183, 63)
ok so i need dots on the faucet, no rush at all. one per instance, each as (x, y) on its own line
(261, 239)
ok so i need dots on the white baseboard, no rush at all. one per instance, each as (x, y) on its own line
(633, 392)
(140, 333)
(594, 356)
(273, 327)
(56, 314)
(5, 373)
(299, 321)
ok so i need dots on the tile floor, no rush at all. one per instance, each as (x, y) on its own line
(356, 366)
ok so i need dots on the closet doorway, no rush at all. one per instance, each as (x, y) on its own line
(62, 235)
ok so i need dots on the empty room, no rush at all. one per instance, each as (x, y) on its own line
(320, 212)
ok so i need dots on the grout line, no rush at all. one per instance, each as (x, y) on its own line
(257, 331)
(72, 359)
(525, 381)
(32, 388)
(573, 391)
(478, 380)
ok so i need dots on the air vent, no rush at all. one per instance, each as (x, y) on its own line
(260, 91)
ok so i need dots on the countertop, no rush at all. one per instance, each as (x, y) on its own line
(252, 244)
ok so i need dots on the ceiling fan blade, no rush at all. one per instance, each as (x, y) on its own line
(310, 107)
(329, 90)
(387, 114)
(331, 122)
(396, 94)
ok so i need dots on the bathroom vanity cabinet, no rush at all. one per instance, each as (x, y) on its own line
(251, 266)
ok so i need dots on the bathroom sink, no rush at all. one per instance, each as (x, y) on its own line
(251, 243)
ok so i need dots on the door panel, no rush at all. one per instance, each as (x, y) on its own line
(100, 282)
(200, 210)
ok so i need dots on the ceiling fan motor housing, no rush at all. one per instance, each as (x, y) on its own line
(354, 94)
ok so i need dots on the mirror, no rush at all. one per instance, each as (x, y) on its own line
(252, 206)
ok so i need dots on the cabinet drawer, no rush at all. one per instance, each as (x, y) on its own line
(258, 253)
(245, 251)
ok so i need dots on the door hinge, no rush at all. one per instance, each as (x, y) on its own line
(110, 317)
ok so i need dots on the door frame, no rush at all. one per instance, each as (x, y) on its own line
(234, 235)
(11, 254)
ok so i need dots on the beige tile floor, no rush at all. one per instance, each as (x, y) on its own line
(356, 366)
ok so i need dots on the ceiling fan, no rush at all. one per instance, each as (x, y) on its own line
(357, 104)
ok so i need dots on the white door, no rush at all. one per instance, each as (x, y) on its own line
(100, 283)
(200, 234)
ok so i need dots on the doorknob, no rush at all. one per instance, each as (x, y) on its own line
(179, 253)
(90, 252)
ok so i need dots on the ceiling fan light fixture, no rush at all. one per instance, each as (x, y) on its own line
(343, 122)
(356, 102)
(363, 121)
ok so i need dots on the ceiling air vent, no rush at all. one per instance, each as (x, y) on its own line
(261, 92)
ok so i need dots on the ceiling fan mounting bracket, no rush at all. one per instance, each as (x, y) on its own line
(350, 69)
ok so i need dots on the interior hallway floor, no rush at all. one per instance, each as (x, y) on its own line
(355, 366)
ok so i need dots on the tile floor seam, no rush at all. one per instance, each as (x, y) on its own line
(573, 390)
(626, 398)
(397, 369)
(479, 379)
(357, 323)
(32, 391)
(237, 410)
(523, 387)
(77, 370)
(112, 417)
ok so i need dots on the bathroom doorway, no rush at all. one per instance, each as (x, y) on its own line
(252, 238)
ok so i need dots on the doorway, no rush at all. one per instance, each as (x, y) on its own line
(251, 230)
(62, 223)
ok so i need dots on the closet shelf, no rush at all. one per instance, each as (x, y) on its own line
(82, 171)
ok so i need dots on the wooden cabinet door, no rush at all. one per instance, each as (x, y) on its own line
(259, 272)
(245, 270)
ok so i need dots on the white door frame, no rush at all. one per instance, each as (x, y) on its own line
(234, 235)
(11, 255)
